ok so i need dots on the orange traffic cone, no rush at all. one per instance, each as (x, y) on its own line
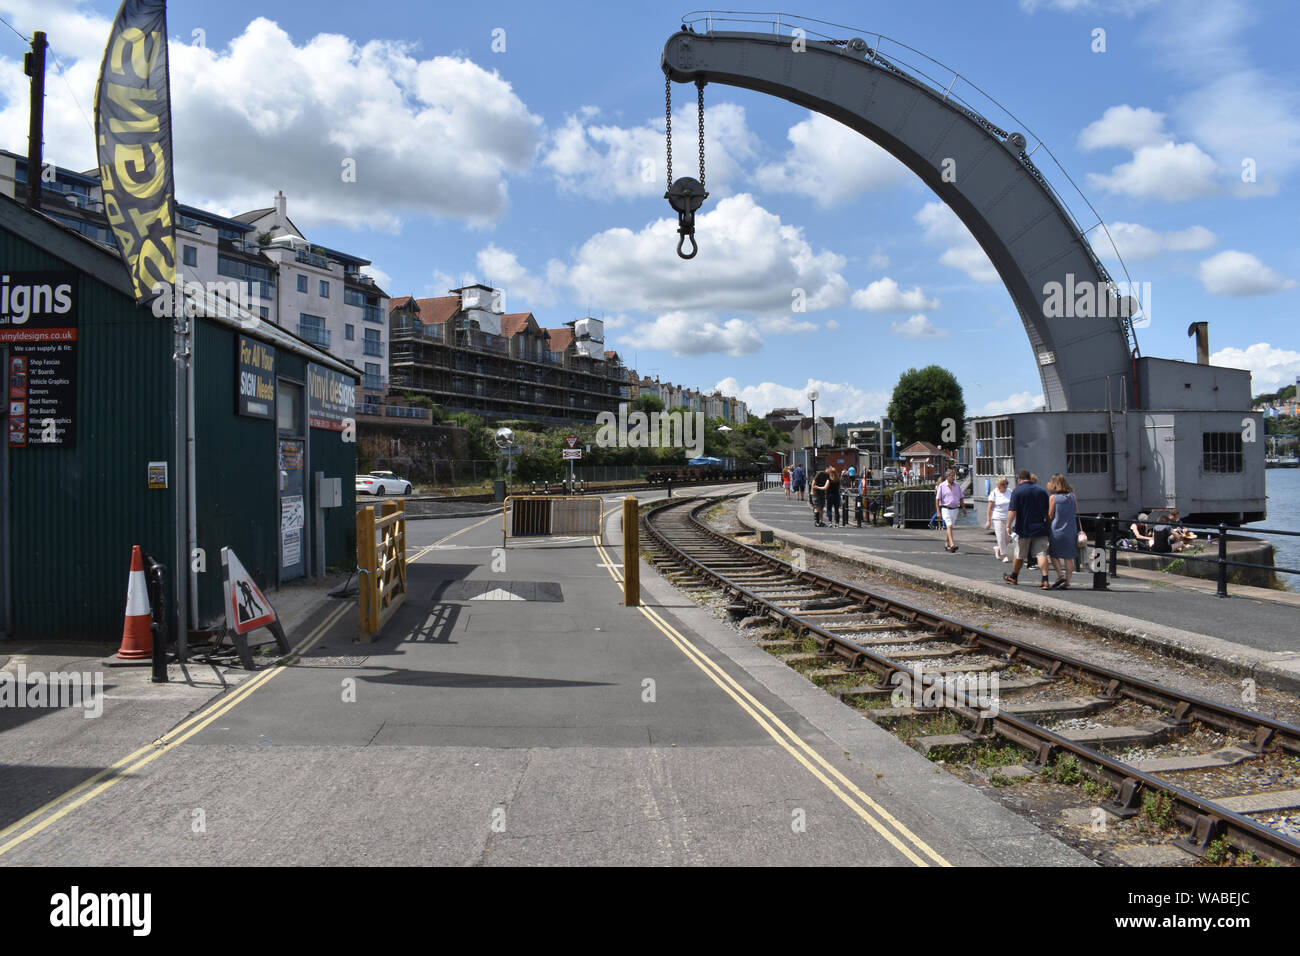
(137, 638)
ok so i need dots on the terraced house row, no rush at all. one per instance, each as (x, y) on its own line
(468, 354)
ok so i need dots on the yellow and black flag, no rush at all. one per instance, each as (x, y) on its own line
(133, 126)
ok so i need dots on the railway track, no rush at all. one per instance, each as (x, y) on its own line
(898, 661)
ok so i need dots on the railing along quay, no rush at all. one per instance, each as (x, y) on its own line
(807, 603)
(1108, 534)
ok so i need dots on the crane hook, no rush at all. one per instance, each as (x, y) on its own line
(686, 195)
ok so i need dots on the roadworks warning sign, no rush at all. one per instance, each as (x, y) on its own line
(246, 606)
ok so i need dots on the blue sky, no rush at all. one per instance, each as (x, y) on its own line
(523, 167)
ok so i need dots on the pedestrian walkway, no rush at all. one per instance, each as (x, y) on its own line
(515, 712)
(1254, 629)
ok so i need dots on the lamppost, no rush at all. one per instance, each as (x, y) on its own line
(812, 397)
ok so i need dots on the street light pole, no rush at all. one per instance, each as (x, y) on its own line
(812, 397)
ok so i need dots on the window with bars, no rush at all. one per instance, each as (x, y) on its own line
(1087, 453)
(1221, 452)
(995, 445)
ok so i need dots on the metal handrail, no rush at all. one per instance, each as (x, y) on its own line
(1113, 522)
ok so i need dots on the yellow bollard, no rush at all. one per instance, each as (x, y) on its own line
(631, 554)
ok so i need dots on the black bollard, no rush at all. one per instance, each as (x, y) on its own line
(1222, 590)
(1099, 557)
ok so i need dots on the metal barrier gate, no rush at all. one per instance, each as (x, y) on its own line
(381, 565)
(530, 516)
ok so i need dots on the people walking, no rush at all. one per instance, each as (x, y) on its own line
(785, 481)
(832, 496)
(1063, 517)
(947, 502)
(848, 485)
(820, 484)
(999, 503)
(1027, 516)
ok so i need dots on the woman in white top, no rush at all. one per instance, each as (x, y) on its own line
(999, 502)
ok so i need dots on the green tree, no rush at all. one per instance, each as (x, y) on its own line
(927, 405)
(646, 403)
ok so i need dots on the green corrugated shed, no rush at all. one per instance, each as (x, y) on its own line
(73, 513)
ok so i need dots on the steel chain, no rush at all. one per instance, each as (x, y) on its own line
(668, 124)
(700, 87)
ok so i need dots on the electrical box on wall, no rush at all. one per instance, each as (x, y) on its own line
(329, 492)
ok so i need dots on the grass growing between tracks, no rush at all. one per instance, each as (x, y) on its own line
(910, 728)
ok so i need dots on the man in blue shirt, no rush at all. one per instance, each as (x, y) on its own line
(1027, 516)
(797, 478)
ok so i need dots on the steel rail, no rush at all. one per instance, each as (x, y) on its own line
(1206, 819)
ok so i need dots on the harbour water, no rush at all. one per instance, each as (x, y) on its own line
(1283, 488)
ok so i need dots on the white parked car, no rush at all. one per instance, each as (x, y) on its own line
(382, 483)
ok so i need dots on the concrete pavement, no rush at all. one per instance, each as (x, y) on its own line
(559, 728)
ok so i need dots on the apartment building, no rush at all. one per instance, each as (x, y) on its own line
(317, 293)
(467, 354)
(323, 296)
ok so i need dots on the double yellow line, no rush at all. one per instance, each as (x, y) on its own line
(58, 808)
(871, 812)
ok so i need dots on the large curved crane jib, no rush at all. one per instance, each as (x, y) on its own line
(999, 195)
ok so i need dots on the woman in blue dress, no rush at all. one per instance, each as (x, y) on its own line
(1063, 517)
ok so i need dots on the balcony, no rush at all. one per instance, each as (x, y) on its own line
(393, 411)
(188, 224)
(405, 330)
(371, 313)
(372, 347)
(311, 259)
(315, 335)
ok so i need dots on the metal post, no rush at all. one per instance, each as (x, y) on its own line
(1222, 590)
(162, 623)
(1099, 575)
(631, 554)
(34, 66)
(1114, 546)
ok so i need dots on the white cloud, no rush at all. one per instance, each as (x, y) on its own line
(839, 399)
(266, 113)
(501, 270)
(1126, 127)
(749, 262)
(830, 163)
(884, 295)
(832, 325)
(917, 327)
(1171, 171)
(1012, 404)
(1248, 115)
(941, 225)
(1270, 368)
(1237, 273)
(382, 278)
(1136, 243)
(604, 161)
(683, 333)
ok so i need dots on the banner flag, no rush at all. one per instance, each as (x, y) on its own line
(133, 129)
